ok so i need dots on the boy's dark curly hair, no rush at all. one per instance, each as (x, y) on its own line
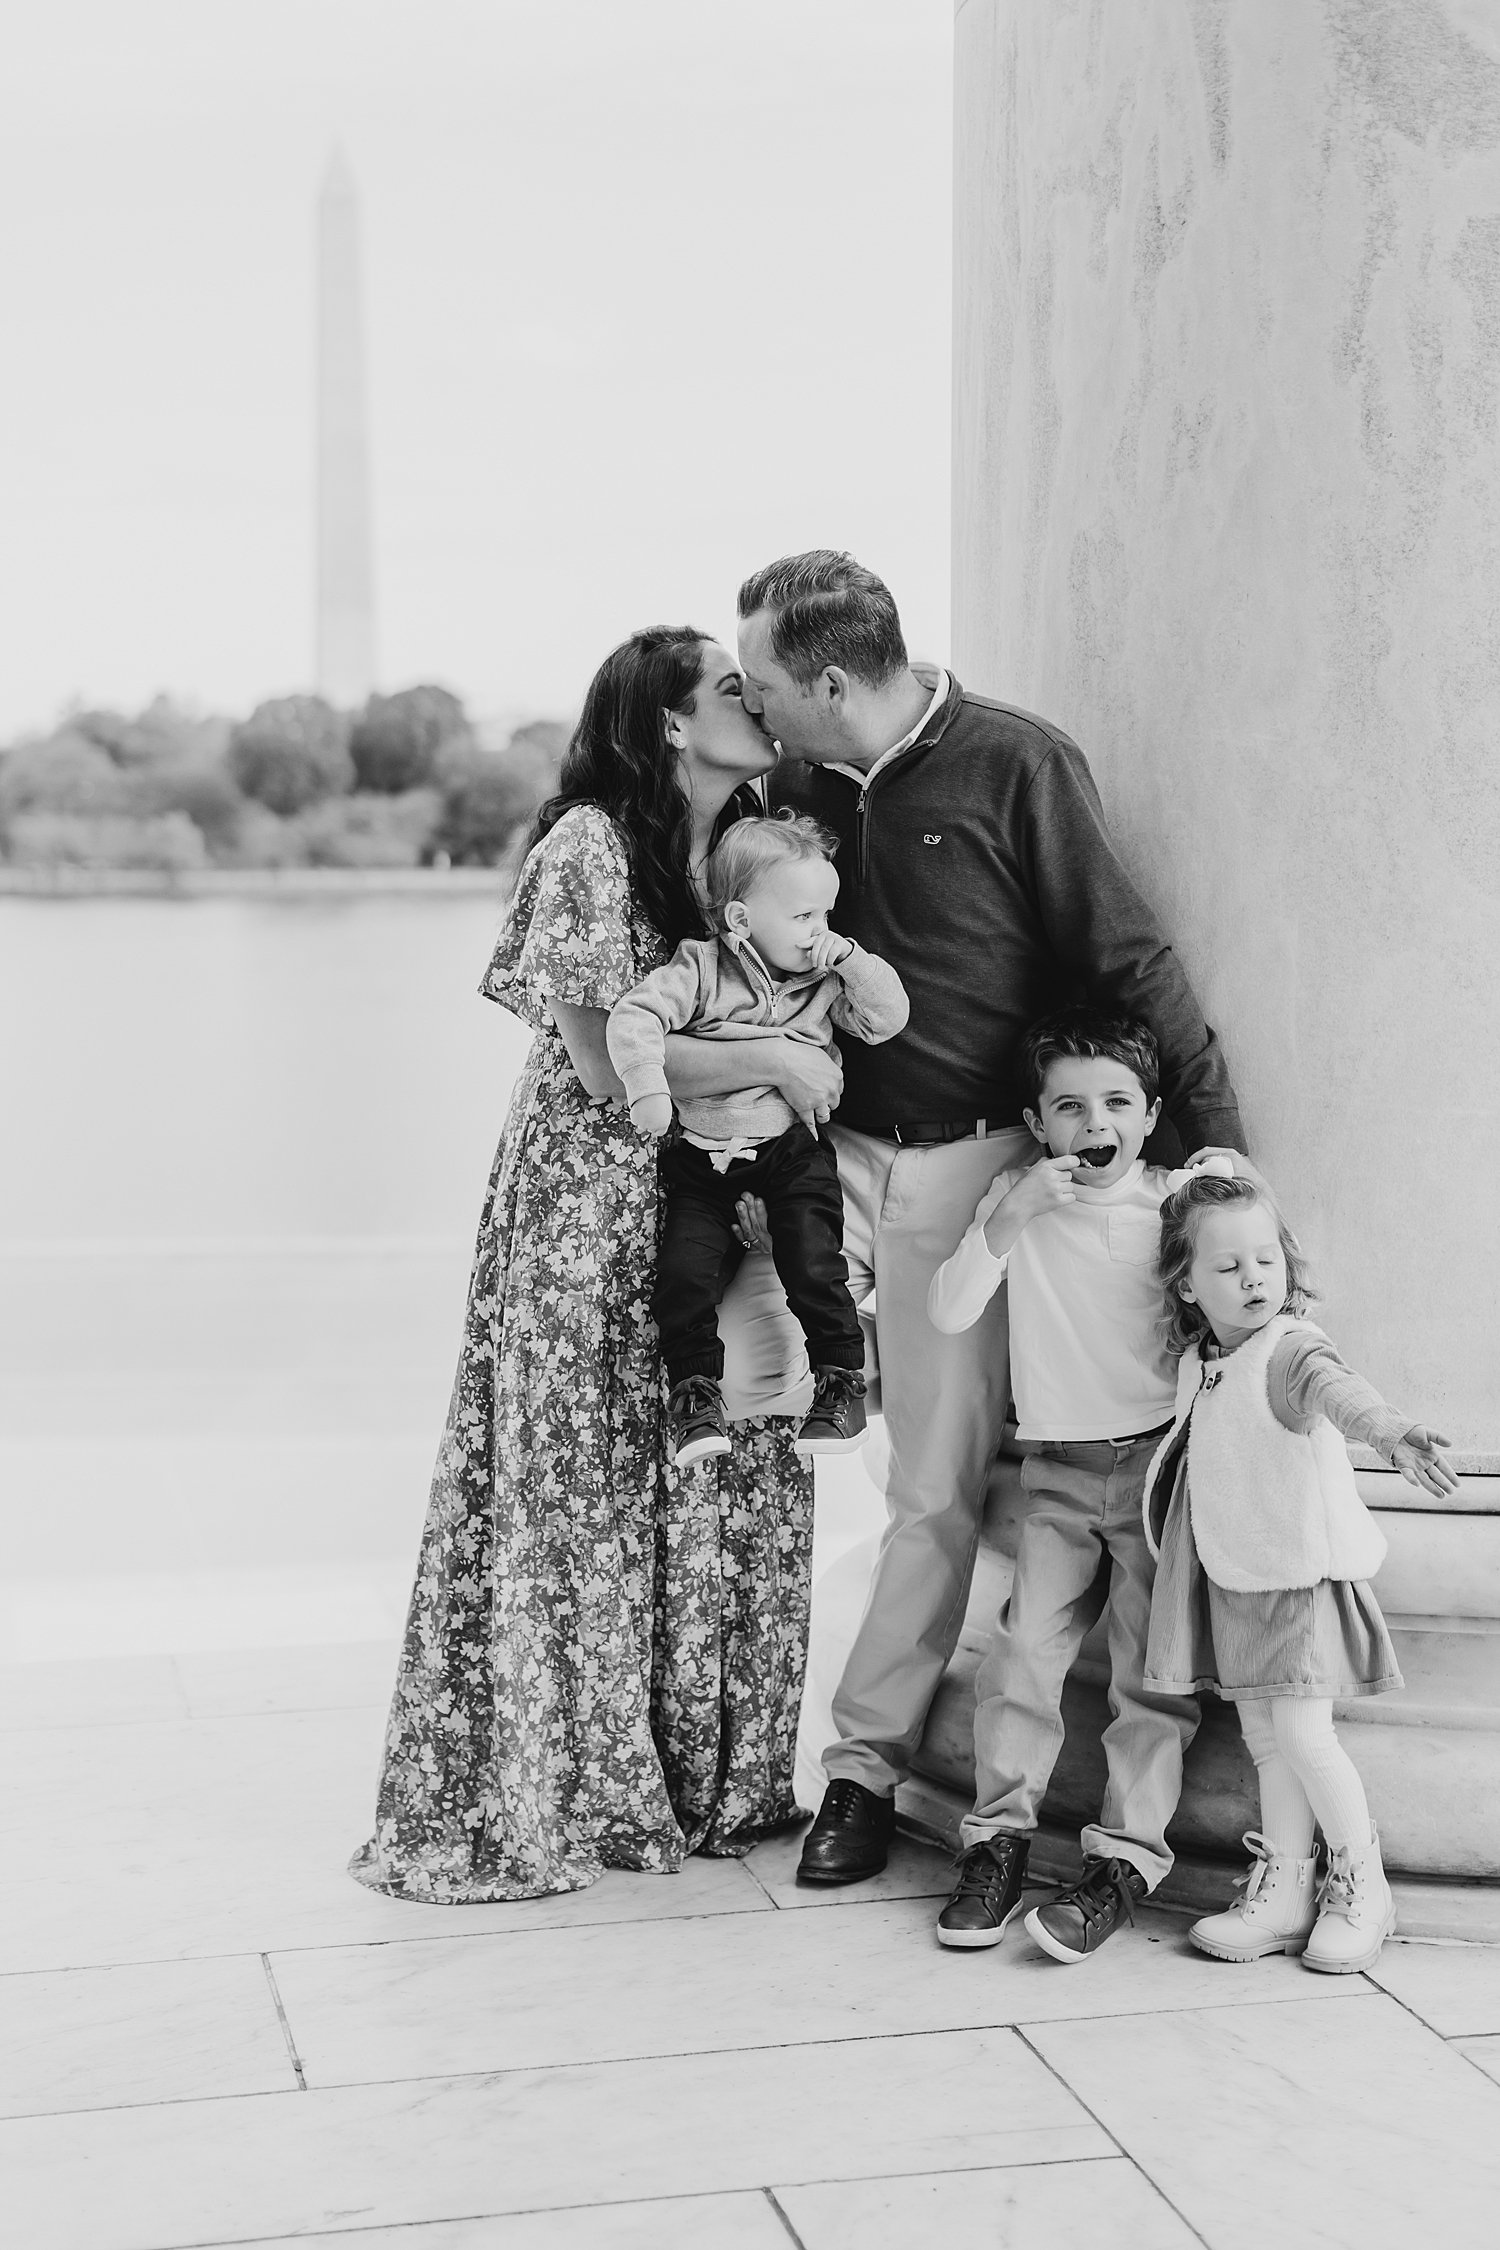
(1082, 1034)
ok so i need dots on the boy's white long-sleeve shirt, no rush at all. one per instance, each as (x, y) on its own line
(1086, 1359)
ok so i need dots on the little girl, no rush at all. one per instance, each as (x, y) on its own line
(1264, 1550)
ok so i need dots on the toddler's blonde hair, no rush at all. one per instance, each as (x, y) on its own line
(745, 851)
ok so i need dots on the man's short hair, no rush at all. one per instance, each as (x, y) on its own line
(745, 851)
(1082, 1034)
(827, 609)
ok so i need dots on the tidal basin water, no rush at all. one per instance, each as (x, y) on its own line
(246, 1068)
(243, 1147)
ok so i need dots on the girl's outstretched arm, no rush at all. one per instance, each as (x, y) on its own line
(1420, 1462)
(1305, 1377)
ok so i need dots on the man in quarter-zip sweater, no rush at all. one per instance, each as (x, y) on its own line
(975, 859)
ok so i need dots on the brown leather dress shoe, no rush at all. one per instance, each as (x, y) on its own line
(851, 1836)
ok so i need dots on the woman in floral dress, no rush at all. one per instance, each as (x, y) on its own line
(604, 1655)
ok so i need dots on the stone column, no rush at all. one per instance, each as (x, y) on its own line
(1227, 508)
(345, 589)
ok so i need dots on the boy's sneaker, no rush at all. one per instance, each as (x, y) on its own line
(835, 1422)
(1076, 1923)
(696, 1412)
(987, 1894)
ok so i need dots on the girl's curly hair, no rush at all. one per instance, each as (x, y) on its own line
(1181, 1323)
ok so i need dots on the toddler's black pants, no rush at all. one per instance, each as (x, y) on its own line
(796, 1176)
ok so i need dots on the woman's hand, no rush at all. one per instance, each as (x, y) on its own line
(807, 1078)
(1418, 1459)
(753, 1223)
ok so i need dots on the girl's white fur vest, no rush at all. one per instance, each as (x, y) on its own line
(1271, 1507)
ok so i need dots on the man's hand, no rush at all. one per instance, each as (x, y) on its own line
(1418, 1459)
(828, 950)
(1046, 1187)
(807, 1078)
(652, 1114)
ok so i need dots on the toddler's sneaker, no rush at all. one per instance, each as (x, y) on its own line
(1356, 1913)
(1076, 1923)
(987, 1894)
(1275, 1915)
(696, 1413)
(835, 1422)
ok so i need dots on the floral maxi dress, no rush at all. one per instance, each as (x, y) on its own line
(603, 1657)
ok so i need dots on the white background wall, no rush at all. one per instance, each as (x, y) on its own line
(1227, 508)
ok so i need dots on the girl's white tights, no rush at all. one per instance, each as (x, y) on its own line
(1304, 1775)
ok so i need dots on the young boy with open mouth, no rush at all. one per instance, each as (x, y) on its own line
(1074, 1238)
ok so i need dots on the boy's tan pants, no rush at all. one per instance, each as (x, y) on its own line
(1083, 1506)
(944, 1399)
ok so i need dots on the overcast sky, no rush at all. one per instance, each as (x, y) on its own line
(656, 290)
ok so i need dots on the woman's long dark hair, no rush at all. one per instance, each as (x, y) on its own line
(620, 759)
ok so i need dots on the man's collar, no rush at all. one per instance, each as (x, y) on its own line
(942, 688)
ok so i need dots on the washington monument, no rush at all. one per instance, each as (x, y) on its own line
(346, 599)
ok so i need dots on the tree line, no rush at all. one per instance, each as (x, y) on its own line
(404, 782)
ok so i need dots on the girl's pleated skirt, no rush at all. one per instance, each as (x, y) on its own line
(1323, 1640)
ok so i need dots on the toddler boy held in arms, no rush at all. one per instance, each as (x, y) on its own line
(774, 969)
(1074, 1238)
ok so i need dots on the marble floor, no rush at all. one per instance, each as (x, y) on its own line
(209, 1497)
(209, 2035)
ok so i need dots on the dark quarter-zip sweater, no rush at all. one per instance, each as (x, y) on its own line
(978, 864)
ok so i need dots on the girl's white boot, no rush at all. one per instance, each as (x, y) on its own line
(1356, 1913)
(1275, 1915)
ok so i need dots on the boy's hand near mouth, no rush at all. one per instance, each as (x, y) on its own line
(1045, 1187)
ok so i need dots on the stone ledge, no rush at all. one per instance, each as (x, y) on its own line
(1386, 1493)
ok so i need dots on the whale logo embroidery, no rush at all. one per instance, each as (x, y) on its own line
(932, 839)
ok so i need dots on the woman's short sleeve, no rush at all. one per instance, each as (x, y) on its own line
(567, 931)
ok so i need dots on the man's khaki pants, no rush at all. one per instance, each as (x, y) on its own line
(944, 1399)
